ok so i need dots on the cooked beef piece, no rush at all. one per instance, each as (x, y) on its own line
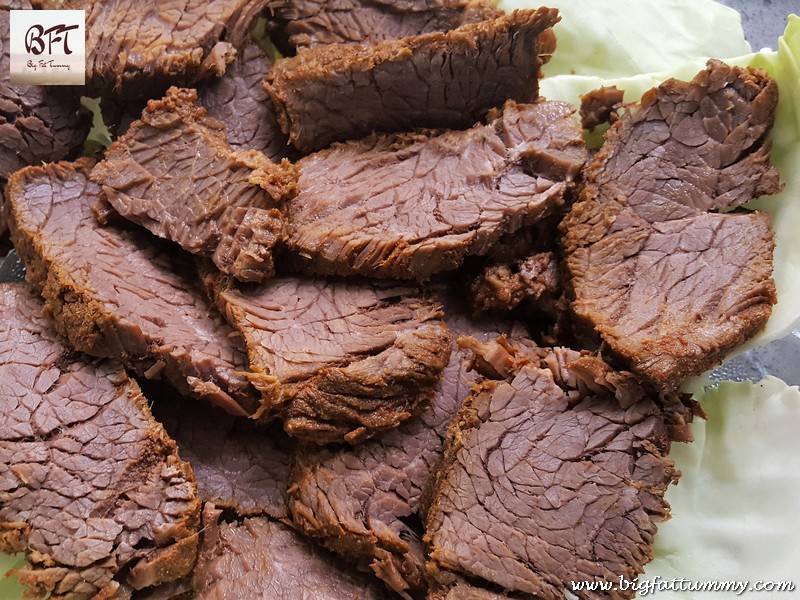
(38, 123)
(238, 465)
(5, 241)
(555, 473)
(412, 205)
(358, 502)
(669, 287)
(461, 590)
(91, 487)
(534, 282)
(120, 293)
(265, 559)
(138, 48)
(345, 91)
(599, 106)
(337, 360)
(308, 23)
(174, 173)
(238, 100)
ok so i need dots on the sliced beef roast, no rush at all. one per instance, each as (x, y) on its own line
(38, 123)
(345, 91)
(412, 205)
(238, 465)
(175, 173)
(668, 286)
(555, 473)
(118, 293)
(91, 487)
(141, 47)
(238, 100)
(264, 559)
(337, 360)
(360, 502)
(309, 23)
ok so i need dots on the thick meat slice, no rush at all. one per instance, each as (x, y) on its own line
(554, 474)
(175, 173)
(345, 91)
(337, 360)
(669, 287)
(38, 123)
(238, 100)
(91, 488)
(238, 465)
(141, 47)
(360, 502)
(308, 23)
(264, 559)
(118, 293)
(412, 205)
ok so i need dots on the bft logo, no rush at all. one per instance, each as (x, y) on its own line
(37, 35)
(48, 47)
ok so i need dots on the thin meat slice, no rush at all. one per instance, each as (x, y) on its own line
(346, 91)
(555, 473)
(337, 360)
(238, 100)
(238, 465)
(138, 48)
(362, 502)
(175, 173)
(670, 287)
(38, 123)
(259, 558)
(91, 487)
(118, 293)
(412, 205)
(307, 23)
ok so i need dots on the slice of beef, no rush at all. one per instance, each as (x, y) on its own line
(119, 293)
(534, 283)
(337, 360)
(174, 173)
(308, 23)
(346, 91)
(361, 502)
(238, 465)
(264, 559)
(238, 100)
(138, 48)
(412, 205)
(669, 287)
(600, 106)
(38, 123)
(91, 487)
(554, 474)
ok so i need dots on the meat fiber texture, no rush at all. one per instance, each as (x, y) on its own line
(117, 293)
(346, 91)
(238, 100)
(174, 173)
(91, 487)
(412, 205)
(555, 473)
(300, 24)
(359, 502)
(37, 123)
(670, 287)
(138, 48)
(533, 283)
(337, 360)
(259, 558)
(238, 465)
